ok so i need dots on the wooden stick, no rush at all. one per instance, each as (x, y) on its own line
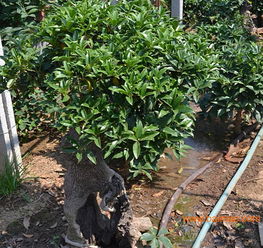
(170, 205)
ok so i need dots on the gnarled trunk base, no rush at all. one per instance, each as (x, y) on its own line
(111, 230)
(108, 224)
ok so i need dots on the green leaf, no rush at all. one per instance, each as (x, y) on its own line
(126, 154)
(166, 242)
(136, 149)
(112, 146)
(91, 157)
(138, 129)
(162, 113)
(149, 136)
(163, 231)
(10, 83)
(154, 243)
(154, 231)
(66, 124)
(170, 131)
(78, 130)
(250, 87)
(118, 155)
(97, 141)
(176, 153)
(129, 100)
(148, 174)
(147, 237)
(65, 98)
(79, 156)
(168, 155)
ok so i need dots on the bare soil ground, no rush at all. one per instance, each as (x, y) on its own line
(33, 216)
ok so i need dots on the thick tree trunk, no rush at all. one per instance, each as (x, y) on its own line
(108, 224)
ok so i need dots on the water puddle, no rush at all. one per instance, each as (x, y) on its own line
(174, 172)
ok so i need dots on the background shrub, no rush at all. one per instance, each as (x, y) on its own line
(239, 83)
(198, 12)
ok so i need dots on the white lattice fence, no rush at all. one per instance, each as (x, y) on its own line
(9, 144)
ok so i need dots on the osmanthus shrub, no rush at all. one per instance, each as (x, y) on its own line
(239, 89)
(23, 74)
(20, 17)
(197, 12)
(114, 80)
(25, 68)
(121, 76)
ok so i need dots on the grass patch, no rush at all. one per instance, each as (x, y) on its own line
(11, 178)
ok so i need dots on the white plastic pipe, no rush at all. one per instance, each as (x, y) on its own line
(228, 190)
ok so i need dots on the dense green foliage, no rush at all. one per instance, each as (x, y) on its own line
(19, 22)
(113, 80)
(239, 86)
(19, 17)
(240, 83)
(25, 72)
(198, 12)
(120, 75)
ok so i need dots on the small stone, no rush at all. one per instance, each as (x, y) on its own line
(199, 213)
(142, 224)
(179, 212)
